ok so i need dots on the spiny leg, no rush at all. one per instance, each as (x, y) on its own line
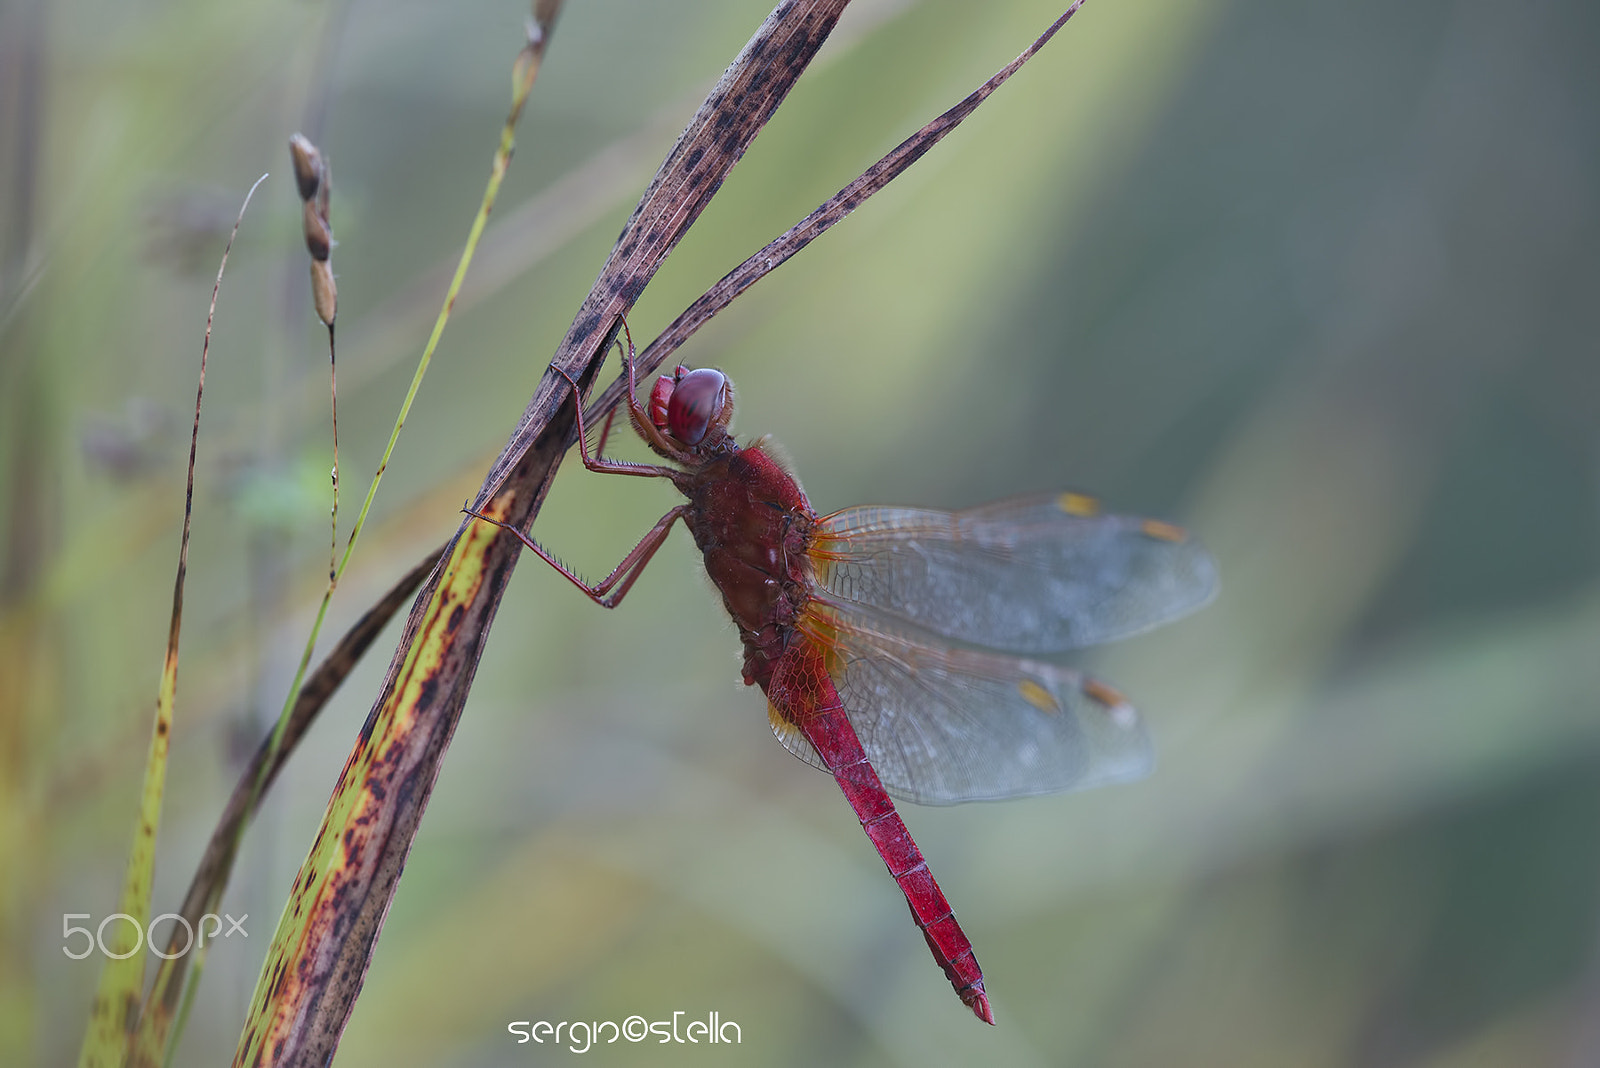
(642, 423)
(594, 461)
(605, 432)
(605, 428)
(609, 591)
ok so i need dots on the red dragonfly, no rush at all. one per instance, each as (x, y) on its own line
(900, 648)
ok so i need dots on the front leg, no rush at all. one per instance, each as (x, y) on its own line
(595, 462)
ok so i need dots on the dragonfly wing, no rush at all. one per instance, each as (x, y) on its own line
(943, 725)
(1038, 575)
(794, 739)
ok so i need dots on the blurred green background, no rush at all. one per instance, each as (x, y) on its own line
(1317, 280)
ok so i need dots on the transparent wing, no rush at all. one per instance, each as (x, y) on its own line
(943, 725)
(1039, 574)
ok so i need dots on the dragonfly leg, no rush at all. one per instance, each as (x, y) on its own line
(609, 591)
(594, 461)
(605, 432)
(642, 424)
(605, 428)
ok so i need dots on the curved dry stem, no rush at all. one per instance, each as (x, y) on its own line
(833, 210)
(156, 1023)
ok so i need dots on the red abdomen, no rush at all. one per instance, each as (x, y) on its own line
(802, 691)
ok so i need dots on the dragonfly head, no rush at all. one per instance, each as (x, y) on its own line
(689, 405)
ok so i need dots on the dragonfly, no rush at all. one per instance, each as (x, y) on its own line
(907, 651)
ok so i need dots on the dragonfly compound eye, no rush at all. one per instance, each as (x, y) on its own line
(699, 400)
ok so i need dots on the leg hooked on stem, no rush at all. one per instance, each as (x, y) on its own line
(609, 591)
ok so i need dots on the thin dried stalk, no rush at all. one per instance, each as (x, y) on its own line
(116, 1001)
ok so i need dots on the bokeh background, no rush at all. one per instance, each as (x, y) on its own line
(1317, 280)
